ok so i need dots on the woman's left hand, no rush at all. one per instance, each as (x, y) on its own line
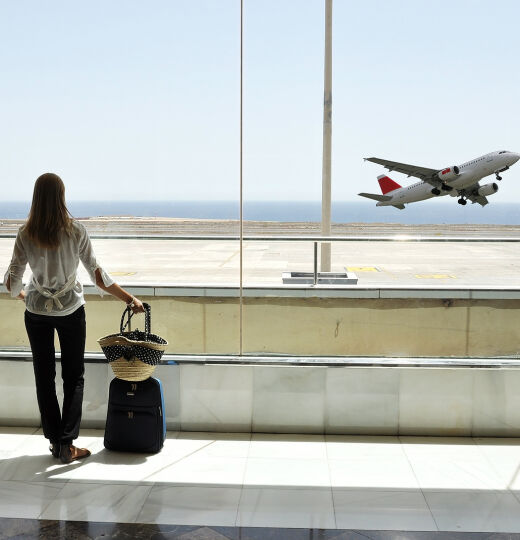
(138, 306)
(21, 296)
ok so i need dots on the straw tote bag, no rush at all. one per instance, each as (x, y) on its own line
(133, 355)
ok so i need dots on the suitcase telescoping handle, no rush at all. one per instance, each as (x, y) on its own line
(129, 313)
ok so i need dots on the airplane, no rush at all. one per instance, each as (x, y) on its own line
(458, 181)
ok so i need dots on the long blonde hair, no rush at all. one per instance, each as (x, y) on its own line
(49, 215)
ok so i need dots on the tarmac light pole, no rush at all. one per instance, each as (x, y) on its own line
(327, 136)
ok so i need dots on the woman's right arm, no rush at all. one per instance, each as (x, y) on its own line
(13, 276)
(21, 296)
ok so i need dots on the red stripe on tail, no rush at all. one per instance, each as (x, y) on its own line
(387, 184)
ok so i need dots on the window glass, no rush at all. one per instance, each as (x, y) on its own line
(136, 106)
(390, 100)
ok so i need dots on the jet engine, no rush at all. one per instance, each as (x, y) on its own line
(488, 189)
(448, 174)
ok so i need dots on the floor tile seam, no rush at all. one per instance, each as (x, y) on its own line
(376, 489)
(74, 481)
(105, 515)
(237, 513)
(427, 491)
(244, 476)
(177, 461)
(102, 481)
(328, 471)
(289, 438)
(145, 500)
(419, 486)
(183, 484)
(289, 487)
(281, 487)
(453, 459)
(45, 508)
(288, 459)
(473, 476)
(249, 445)
(490, 462)
(276, 458)
(363, 533)
(331, 487)
(367, 458)
(216, 486)
(287, 527)
(470, 491)
(65, 481)
(202, 455)
(330, 479)
(218, 457)
(36, 482)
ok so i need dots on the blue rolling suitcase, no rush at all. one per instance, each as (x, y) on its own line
(135, 416)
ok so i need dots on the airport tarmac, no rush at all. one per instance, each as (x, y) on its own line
(402, 263)
(125, 225)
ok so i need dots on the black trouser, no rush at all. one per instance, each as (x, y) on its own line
(58, 428)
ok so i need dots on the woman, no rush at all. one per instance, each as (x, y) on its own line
(53, 244)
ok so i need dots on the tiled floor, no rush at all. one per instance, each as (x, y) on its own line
(259, 480)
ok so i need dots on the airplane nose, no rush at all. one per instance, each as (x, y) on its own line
(516, 157)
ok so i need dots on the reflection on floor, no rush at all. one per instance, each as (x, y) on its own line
(239, 481)
(27, 529)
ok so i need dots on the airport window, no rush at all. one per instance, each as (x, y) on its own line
(183, 139)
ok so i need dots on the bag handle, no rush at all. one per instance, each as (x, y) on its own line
(129, 313)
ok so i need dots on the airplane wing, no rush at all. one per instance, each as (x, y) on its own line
(478, 199)
(425, 174)
(473, 195)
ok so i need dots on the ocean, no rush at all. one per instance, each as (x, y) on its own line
(427, 212)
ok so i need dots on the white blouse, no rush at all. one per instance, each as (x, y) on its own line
(54, 288)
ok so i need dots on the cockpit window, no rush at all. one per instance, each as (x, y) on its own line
(503, 152)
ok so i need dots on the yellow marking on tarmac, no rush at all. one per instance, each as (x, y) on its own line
(361, 269)
(435, 276)
(122, 273)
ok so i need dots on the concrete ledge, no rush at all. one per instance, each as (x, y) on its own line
(323, 291)
(412, 323)
(305, 291)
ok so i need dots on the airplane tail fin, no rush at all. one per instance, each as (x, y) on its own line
(387, 184)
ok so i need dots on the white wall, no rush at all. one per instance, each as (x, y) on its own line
(302, 399)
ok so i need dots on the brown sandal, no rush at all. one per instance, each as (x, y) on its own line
(70, 453)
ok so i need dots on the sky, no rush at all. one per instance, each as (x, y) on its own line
(140, 100)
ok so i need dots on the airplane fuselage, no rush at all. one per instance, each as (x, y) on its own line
(420, 191)
(468, 174)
